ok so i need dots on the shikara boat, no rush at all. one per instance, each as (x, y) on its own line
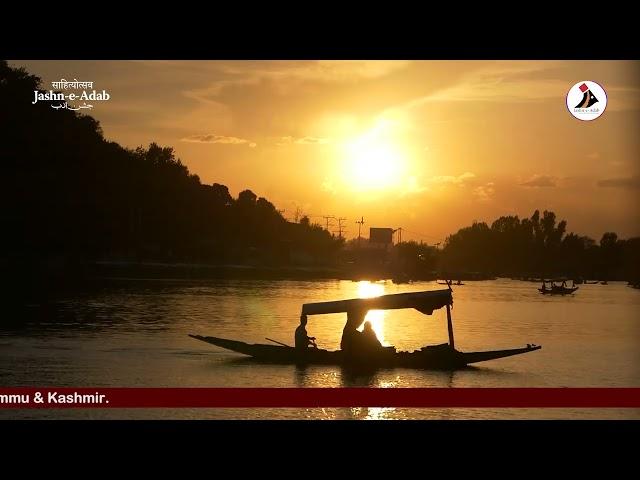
(444, 356)
(554, 289)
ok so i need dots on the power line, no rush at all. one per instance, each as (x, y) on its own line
(326, 219)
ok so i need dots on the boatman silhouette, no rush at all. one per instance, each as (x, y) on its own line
(302, 339)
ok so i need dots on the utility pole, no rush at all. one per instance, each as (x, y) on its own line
(326, 219)
(340, 226)
(360, 224)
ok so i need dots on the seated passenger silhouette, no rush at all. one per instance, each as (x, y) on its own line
(302, 340)
(369, 338)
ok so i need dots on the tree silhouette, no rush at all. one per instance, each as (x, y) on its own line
(70, 198)
(70, 194)
(538, 247)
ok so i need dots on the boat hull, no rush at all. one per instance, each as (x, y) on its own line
(557, 291)
(433, 357)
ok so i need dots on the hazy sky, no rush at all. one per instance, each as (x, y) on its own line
(429, 146)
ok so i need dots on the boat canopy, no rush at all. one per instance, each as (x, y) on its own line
(424, 302)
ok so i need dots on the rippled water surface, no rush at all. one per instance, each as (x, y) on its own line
(135, 334)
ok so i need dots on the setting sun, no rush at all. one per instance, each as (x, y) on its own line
(374, 160)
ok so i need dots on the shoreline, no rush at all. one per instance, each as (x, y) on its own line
(69, 274)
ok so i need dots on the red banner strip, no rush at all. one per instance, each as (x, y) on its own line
(28, 397)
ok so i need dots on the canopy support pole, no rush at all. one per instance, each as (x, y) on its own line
(450, 327)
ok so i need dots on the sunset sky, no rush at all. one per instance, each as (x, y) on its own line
(429, 146)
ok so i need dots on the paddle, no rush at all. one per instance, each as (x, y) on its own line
(279, 343)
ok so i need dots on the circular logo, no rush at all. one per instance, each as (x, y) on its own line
(586, 100)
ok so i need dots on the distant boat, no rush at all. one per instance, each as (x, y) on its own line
(591, 283)
(449, 283)
(443, 356)
(604, 282)
(554, 289)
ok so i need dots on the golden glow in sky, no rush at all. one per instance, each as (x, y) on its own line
(429, 146)
(374, 160)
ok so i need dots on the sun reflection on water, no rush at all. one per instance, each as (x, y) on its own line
(375, 413)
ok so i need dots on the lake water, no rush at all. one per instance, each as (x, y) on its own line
(134, 334)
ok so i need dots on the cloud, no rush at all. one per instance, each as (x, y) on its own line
(283, 74)
(623, 98)
(413, 186)
(593, 155)
(282, 141)
(329, 71)
(541, 181)
(504, 81)
(484, 192)
(312, 141)
(489, 89)
(211, 138)
(621, 182)
(521, 82)
(451, 180)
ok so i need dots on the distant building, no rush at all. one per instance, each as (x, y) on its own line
(381, 236)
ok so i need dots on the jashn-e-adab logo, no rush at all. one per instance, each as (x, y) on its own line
(78, 98)
(586, 100)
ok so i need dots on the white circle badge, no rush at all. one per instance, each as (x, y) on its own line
(586, 100)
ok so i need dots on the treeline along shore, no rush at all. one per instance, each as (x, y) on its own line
(76, 206)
